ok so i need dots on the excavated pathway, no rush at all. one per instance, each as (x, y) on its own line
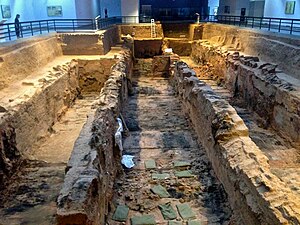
(172, 181)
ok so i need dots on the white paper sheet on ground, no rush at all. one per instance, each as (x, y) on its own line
(118, 134)
(127, 160)
(168, 50)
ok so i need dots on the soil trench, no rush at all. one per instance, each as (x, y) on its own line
(172, 181)
(31, 195)
(284, 156)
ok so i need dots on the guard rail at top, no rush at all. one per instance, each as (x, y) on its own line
(8, 31)
(281, 25)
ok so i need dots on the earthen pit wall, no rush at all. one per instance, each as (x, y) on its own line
(94, 73)
(281, 49)
(269, 96)
(30, 119)
(26, 57)
(93, 43)
(95, 160)
(256, 195)
(25, 123)
(110, 38)
(140, 30)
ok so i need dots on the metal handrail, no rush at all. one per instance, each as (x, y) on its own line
(8, 31)
(31, 28)
(281, 25)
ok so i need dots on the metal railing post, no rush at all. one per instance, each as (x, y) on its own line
(291, 31)
(73, 24)
(31, 28)
(9, 36)
(270, 23)
(260, 23)
(252, 22)
(21, 30)
(48, 26)
(40, 27)
(279, 26)
(93, 22)
(54, 25)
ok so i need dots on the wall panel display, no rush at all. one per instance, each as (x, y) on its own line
(290, 7)
(54, 11)
(5, 9)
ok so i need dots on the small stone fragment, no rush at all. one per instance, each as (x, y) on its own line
(121, 213)
(160, 191)
(181, 164)
(193, 222)
(160, 176)
(184, 174)
(2, 109)
(185, 211)
(143, 220)
(175, 223)
(167, 211)
(150, 164)
(27, 83)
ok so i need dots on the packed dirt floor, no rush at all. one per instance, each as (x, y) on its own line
(172, 181)
(31, 195)
(284, 156)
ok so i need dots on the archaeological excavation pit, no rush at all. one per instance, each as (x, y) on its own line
(213, 127)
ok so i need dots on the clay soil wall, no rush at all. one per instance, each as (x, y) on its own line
(94, 73)
(256, 195)
(94, 43)
(29, 113)
(140, 31)
(280, 49)
(26, 121)
(19, 59)
(273, 95)
(87, 190)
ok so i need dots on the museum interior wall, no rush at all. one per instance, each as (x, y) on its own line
(37, 10)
